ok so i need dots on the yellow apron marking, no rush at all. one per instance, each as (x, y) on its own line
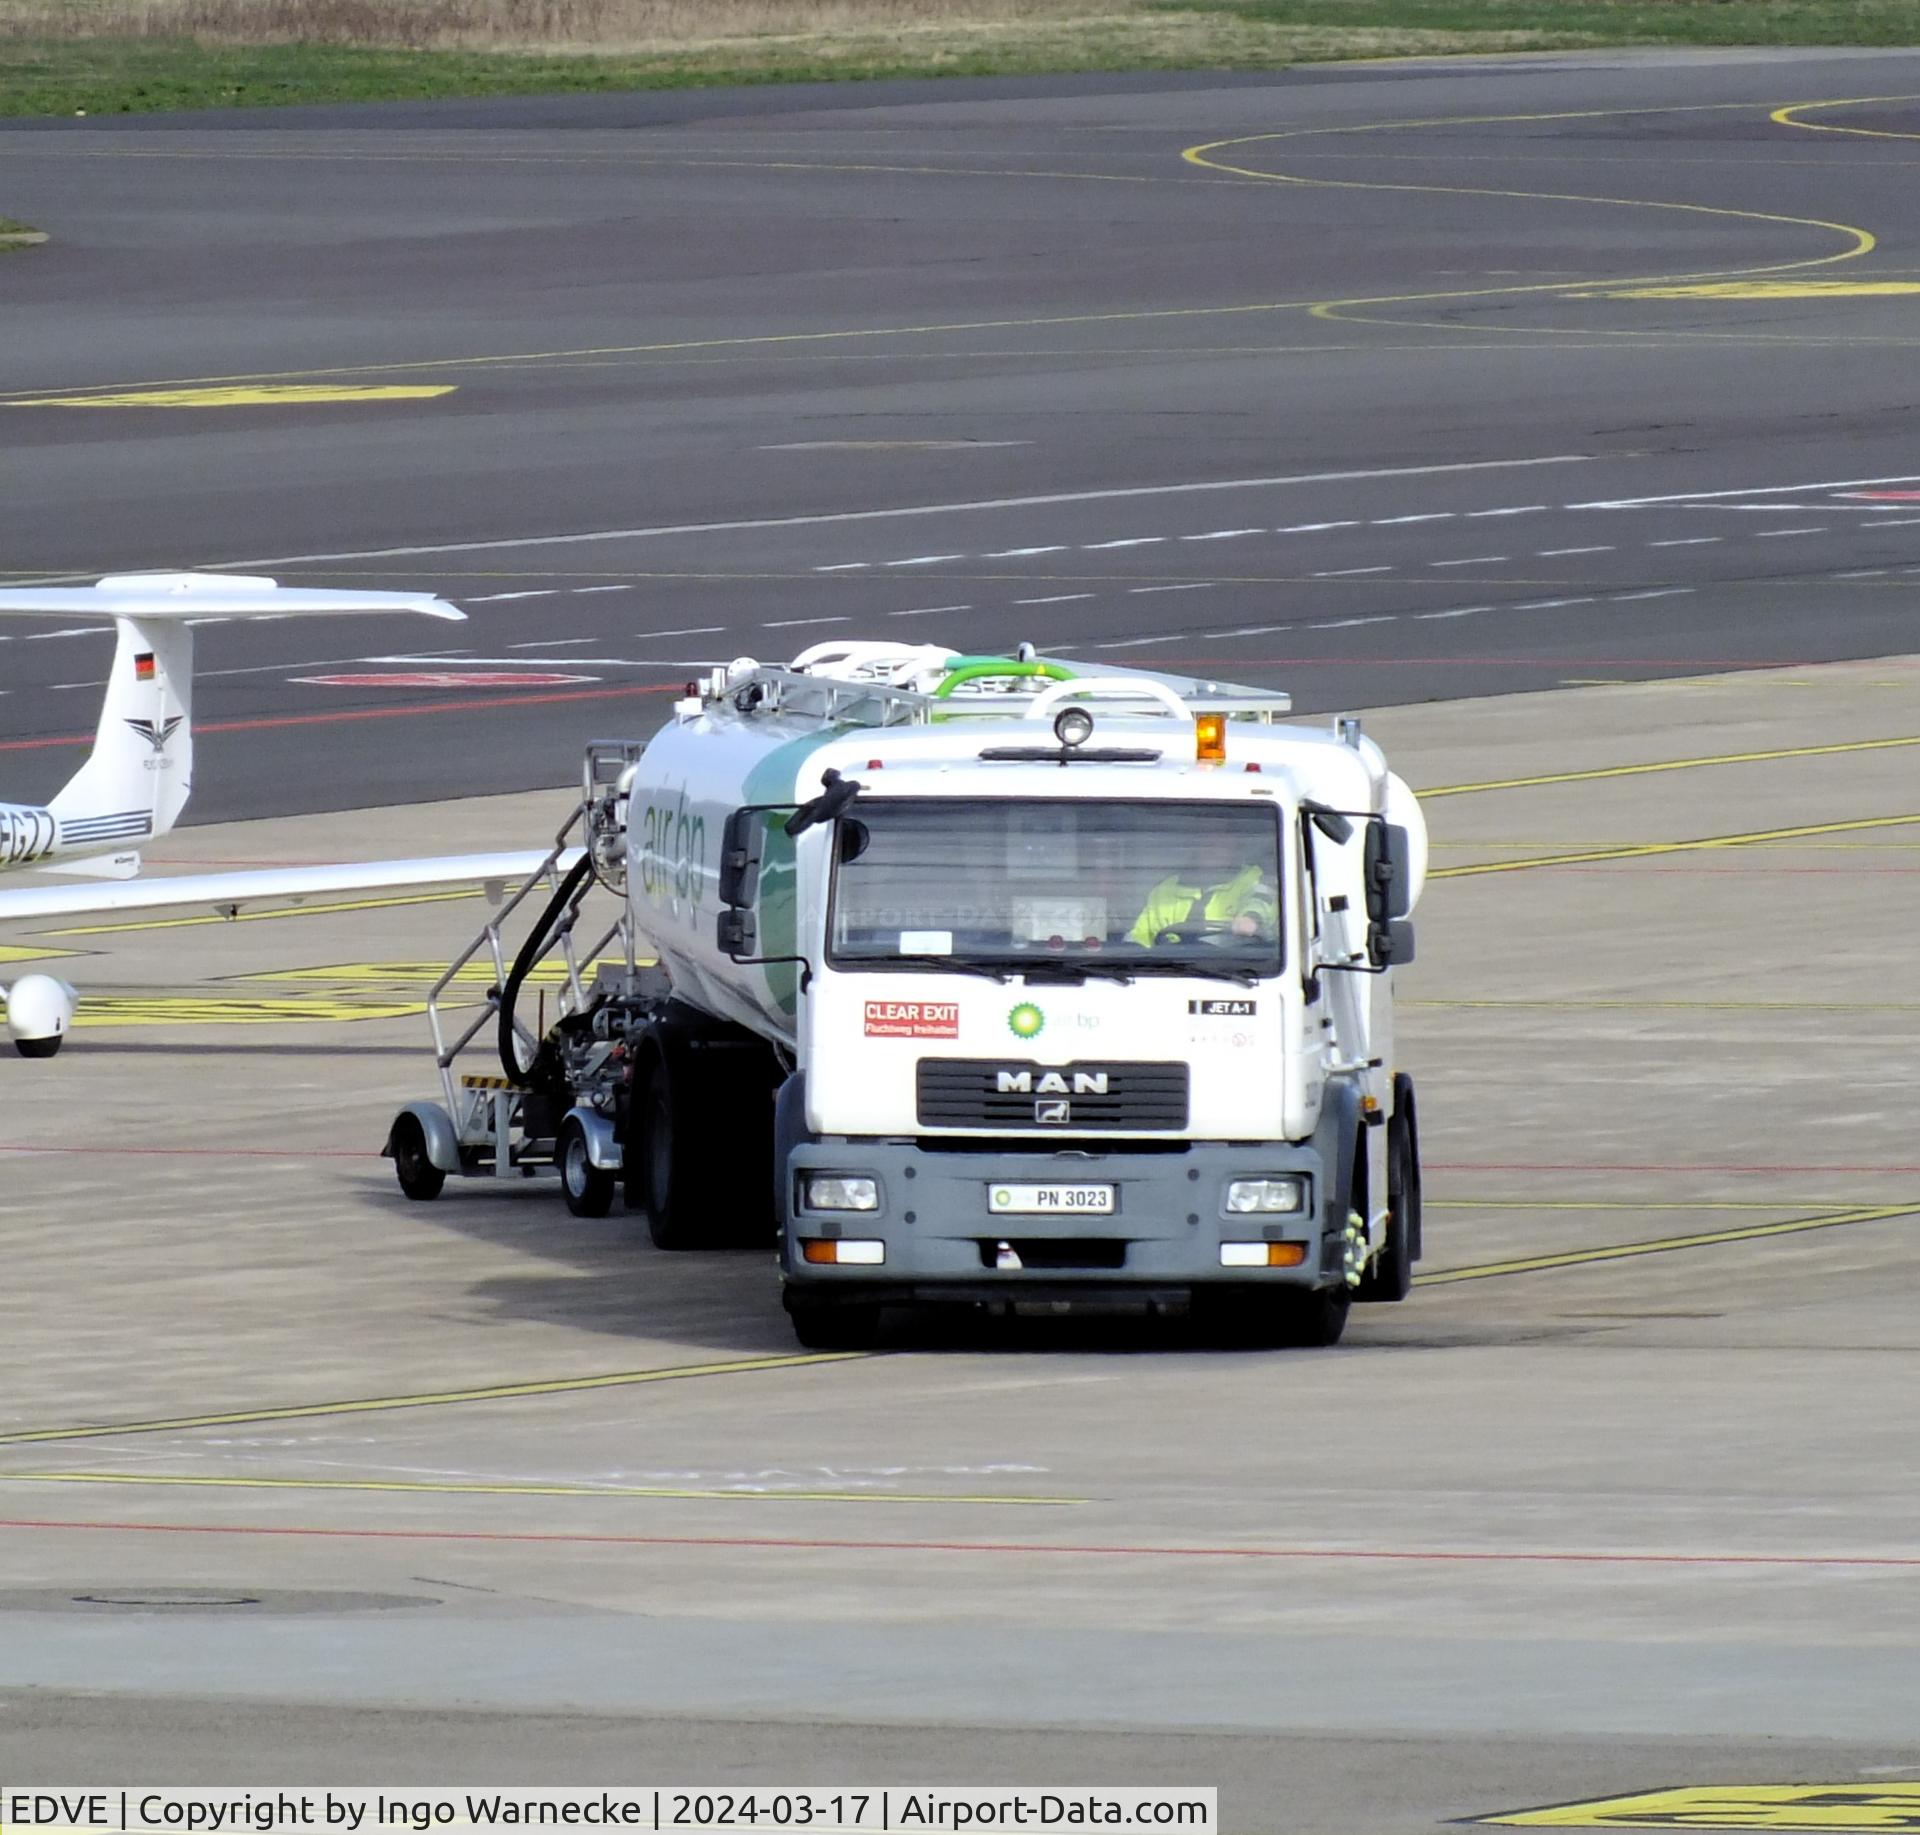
(1789, 116)
(522, 1490)
(232, 1010)
(1647, 850)
(425, 974)
(1622, 1204)
(258, 395)
(1833, 1807)
(20, 952)
(492, 1392)
(1678, 1006)
(1762, 289)
(1676, 764)
(1705, 1239)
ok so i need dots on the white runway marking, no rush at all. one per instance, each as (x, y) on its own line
(1311, 528)
(1459, 611)
(1221, 535)
(1126, 541)
(1774, 534)
(922, 509)
(926, 560)
(1341, 573)
(1519, 509)
(1345, 624)
(789, 624)
(1547, 605)
(625, 586)
(1687, 541)
(1756, 490)
(1548, 554)
(1050, 599)
(545, 592)
(1020, 554)
(1863, 573)
(1382, 522)
(1666, 592)
(1473, 560)
(1185, 586)
(843, 567)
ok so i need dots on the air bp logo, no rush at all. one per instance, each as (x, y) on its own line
(1026, 1021)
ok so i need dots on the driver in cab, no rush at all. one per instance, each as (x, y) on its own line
(1244, 904)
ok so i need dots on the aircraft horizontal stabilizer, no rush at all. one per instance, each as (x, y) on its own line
(150, 596)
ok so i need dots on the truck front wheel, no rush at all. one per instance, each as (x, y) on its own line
(823, 1327)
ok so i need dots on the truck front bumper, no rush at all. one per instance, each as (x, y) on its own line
(940, 1237)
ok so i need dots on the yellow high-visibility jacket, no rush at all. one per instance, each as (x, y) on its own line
(1172, 903)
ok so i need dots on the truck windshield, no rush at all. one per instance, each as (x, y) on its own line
(1101, 887)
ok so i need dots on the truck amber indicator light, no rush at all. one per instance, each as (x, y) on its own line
(1210, 738)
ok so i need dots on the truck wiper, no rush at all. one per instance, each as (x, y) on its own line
(1060, 968)
(959, 963)
(1203, 971)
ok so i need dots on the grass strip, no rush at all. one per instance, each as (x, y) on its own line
(94, 57)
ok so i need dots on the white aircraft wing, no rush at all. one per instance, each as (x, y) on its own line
(225, 892)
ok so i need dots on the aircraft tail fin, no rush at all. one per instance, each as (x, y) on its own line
(139, 774)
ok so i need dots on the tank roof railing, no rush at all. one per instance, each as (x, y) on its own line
(836, 700)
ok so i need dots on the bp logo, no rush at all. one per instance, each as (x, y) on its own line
(1026, 1021)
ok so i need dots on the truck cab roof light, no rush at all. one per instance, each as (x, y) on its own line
(1210, 738)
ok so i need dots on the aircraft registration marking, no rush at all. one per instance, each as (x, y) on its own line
(1809, 1807)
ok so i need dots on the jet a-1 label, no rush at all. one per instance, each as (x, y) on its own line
(1223, 1009)
(913, 1019)
(1830, 1807)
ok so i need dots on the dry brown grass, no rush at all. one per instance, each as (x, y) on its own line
(625, 26)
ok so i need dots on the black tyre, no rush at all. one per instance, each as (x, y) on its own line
(823, 1327)
(700, 1142)
(1389, 1275)
(419, 1177)
(40, 1048)
(588, 1188)
(1312, 1320)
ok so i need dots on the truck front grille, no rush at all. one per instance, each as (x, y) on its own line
(1051, 1098)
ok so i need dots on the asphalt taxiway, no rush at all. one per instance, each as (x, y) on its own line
(1388, 383)
(298, 1477)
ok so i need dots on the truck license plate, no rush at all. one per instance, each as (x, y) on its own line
(1050, 1200)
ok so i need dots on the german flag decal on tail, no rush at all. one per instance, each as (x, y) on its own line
(143, 666)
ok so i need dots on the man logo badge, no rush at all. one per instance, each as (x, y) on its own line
(1055, 1112)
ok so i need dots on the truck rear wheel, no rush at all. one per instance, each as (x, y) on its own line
(1389, 1275)
(700, 1142)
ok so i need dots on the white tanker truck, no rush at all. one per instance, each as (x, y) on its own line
(981, 980)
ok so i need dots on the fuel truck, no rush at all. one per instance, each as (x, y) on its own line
(996, 981)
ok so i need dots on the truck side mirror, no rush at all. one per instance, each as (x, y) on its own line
(740, 844)
(735, 932)
(1390, 945)
(1389, 884)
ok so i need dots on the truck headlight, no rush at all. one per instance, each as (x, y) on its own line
(1265, 1197)
(835, 1191)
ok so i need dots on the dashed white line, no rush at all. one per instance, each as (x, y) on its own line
(1345, 624)
(1772, 534)
(1183, 586)
(550, 643)
(1862, 573)
(1522, 509)
(83, 630)
(1313, 528)
(1547, 554)
(928, 611)
(1383, 522)
(1050, 599)
(1547, 605)
(926, 560)
(1892, 522)
(545, 592)
(1342, 573)
(788, 624)
(1221, 535)
(1130, 541)
(1020, 554)
(1687, 541)
(1473, 560)
(1141, 643)
(1459, 611)
(1666, 592)
(625, 586)
(843, 567)
(691, 630)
